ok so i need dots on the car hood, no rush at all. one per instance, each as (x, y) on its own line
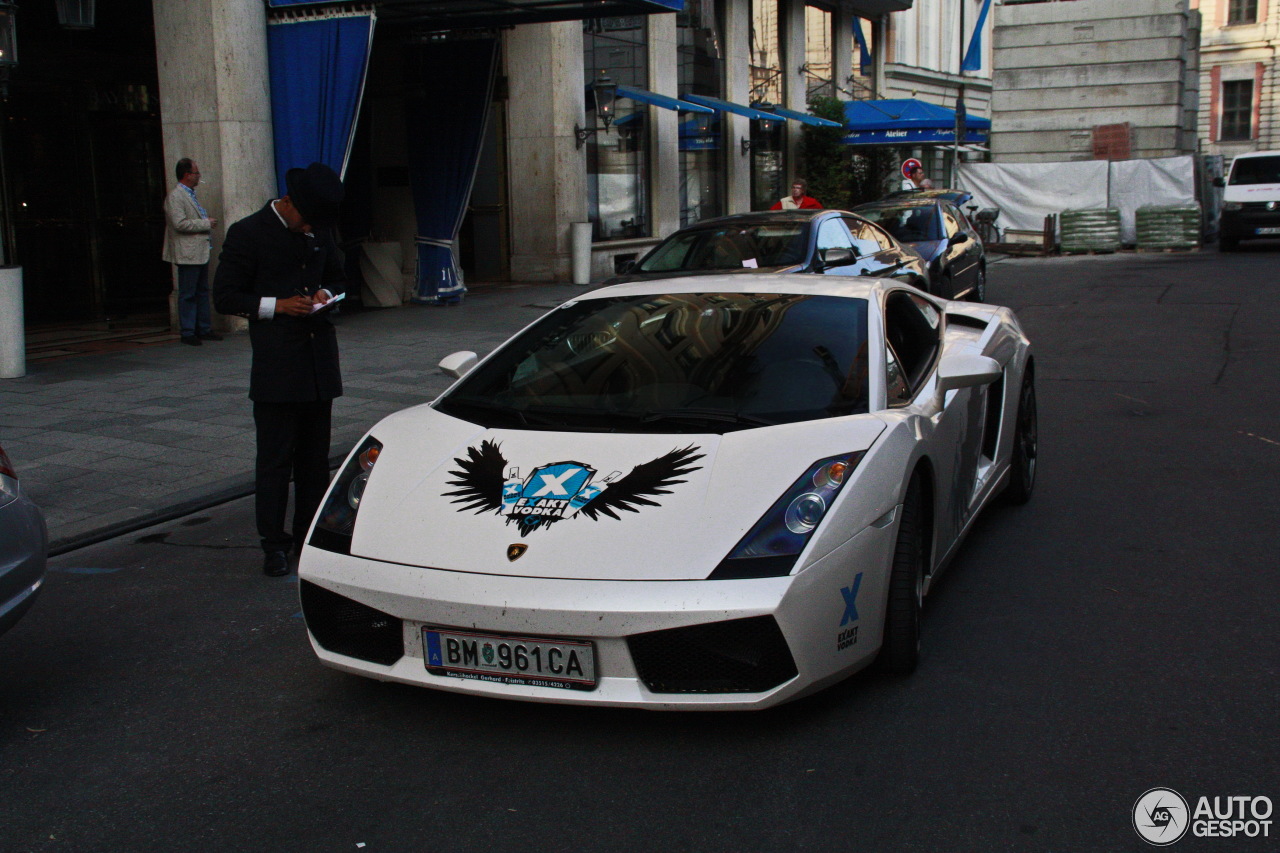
(655, 276)
(579, 505)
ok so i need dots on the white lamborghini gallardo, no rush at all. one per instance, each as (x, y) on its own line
(707, 493)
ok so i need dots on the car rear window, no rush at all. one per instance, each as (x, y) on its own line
(1255, 170)
(910, 224)
(686, 362)
(731, 247)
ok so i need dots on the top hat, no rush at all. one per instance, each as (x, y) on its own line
(316, 192)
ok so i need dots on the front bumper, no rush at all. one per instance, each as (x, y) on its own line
(809, 611)
(24, 546)
(1245, 224)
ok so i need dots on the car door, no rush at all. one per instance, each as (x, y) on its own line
(949, 425)
(962, 256)
(886, 257)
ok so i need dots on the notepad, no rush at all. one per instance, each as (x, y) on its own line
(327, 305)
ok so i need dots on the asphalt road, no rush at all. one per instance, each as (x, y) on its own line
(1115, 635)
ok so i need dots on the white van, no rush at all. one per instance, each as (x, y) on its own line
(1250, 200)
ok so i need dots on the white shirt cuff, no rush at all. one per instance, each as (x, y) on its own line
(267, 308)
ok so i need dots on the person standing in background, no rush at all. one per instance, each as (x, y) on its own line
(799, 199)
(186, 246)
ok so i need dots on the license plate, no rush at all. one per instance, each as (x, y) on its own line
(568, 664)
(1261, 231)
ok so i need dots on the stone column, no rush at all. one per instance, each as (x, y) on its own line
(794, 81)
(842, 47)
(215, 107)
(664, 132)
(548, 187)
(737, 61)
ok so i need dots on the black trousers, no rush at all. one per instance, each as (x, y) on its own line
(293, 441)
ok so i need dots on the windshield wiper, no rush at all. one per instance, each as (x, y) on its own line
(483, 406)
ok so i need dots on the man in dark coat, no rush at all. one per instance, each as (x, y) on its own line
(277, 269)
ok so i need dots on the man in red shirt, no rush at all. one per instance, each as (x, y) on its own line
(797, 200)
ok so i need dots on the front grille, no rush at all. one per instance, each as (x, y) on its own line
(347, 627)
(1256, 207)
(739, 656)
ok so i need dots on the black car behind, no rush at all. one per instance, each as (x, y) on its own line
(943, 236)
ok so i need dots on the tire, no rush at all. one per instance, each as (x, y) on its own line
(1026, 445)
(900, 651)
(979, 292)
(1226, 244)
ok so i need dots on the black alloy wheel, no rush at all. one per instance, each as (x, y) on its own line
(1022, 468)
(900, 651)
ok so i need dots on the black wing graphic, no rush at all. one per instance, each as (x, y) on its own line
(480, 480)
(648, 478)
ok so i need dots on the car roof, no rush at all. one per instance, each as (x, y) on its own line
(856, 287)
(756, 216)
(943, 194)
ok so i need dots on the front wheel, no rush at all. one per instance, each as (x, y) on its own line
(1026, 444)
(900, 651)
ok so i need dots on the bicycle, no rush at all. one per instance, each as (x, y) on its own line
(985, 221)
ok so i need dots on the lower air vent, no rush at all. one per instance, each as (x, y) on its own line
(740, 656)
(347, 627)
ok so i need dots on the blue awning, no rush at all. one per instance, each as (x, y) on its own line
(730, 107)
(463, 14)
(907, 121)
(667, 103)
(806, 118)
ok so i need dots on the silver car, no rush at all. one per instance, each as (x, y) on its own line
(24, 547)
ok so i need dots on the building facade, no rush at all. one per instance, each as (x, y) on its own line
(1095, 79)
(1239, 98)
(196, 83)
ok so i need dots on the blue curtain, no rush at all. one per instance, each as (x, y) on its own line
(318, 70)
(447, 107)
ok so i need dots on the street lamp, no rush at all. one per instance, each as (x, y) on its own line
(76, 14)
(604, 92)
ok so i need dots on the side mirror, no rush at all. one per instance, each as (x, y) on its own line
(1219, 182)
(840, 257)
(966, 371)
(958, 238)
(458, 363)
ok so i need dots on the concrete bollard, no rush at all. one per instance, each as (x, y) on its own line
(580, 234)
(13, 336)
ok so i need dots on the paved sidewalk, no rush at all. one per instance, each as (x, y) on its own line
(112, 442)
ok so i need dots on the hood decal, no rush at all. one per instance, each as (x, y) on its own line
(560, 490)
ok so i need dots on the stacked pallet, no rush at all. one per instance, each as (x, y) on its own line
(1090, 230)
(1168, 227)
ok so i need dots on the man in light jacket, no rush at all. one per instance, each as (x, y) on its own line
(186, 244)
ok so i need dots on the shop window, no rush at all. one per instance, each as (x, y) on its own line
(617, 158)
(1242, 12)
(1237, 110)
(768, 166)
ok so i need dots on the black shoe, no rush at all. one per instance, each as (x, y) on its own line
(210, 336)
(191, 340)
(275, 564)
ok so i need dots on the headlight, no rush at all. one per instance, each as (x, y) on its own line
(337, 521)
(1232, 205)
(771, 547)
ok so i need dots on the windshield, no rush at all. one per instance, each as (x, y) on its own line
(730, 247)
(1255, 170)
(689, 362)
(910, 224)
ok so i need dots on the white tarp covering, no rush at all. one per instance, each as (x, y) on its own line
(1027, 192)
(1138, 183)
